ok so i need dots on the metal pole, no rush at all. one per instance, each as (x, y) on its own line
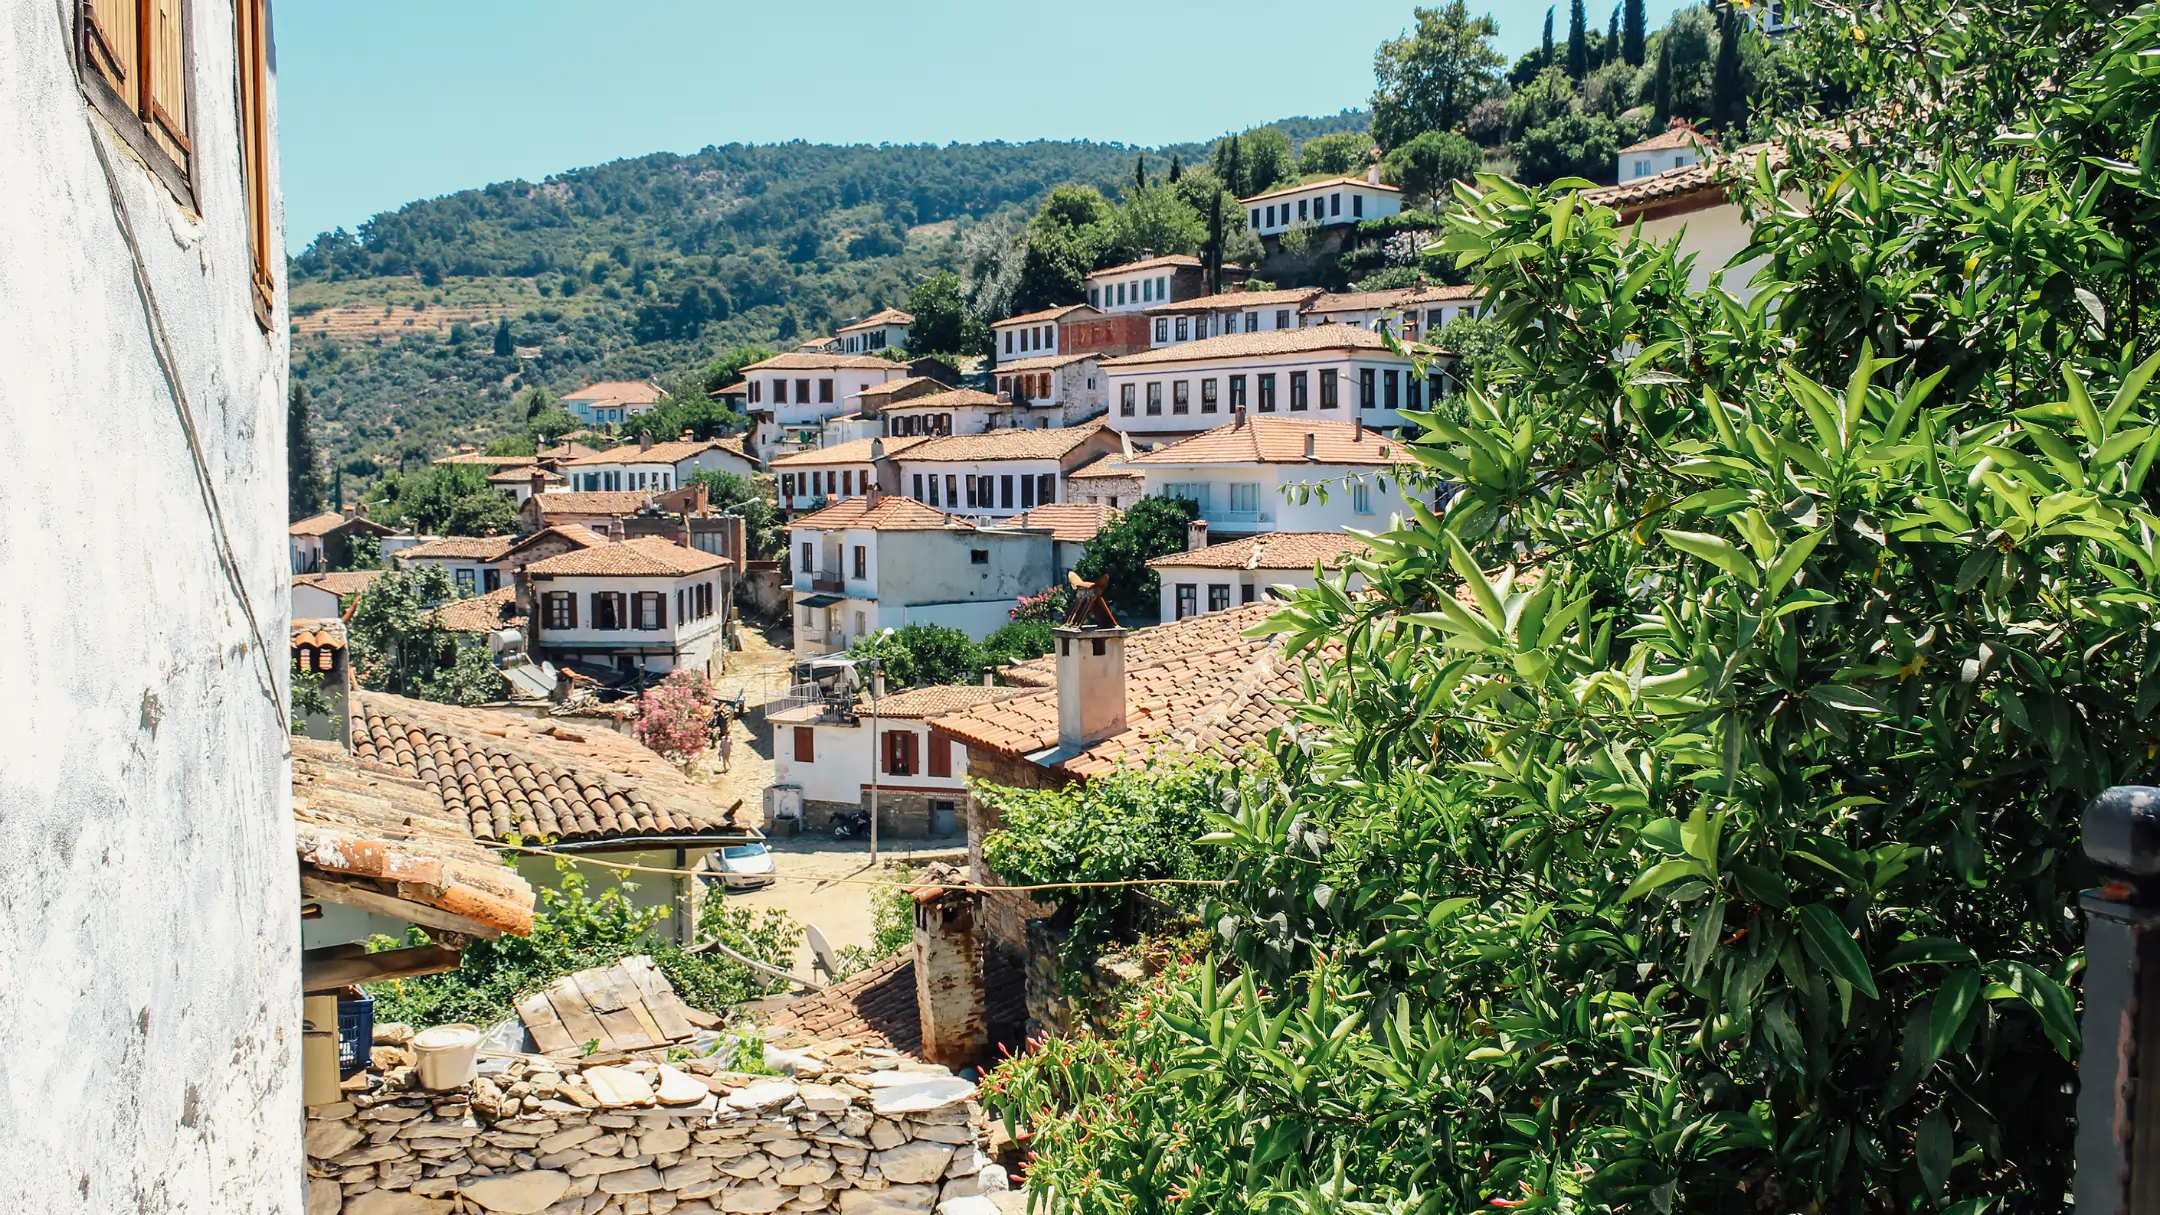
(2118, 1136)
(877, 685)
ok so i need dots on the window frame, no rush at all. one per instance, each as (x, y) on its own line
(1300, 392)
(132, 118)
(1154, 398)
(1330, 388)
(1186, 597)
(1210, 396)
(1180, 396)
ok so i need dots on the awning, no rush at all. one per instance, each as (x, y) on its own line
(818, 601)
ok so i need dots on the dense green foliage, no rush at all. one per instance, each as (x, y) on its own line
(1432, 161)
(1149, 528)
(443, 500)
(307, 491)
(574, 930)
(1728, 863)
(398, 645)
(733, 494)
(923, 655)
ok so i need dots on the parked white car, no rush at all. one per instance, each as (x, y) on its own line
(742, 866)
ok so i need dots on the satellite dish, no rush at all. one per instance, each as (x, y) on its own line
(821, 952)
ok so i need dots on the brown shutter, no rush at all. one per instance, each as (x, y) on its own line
(940, 754)
(112, 42)
(805, 745)
(659, 611)
(165, 98)
(252, 32)
(913, 754)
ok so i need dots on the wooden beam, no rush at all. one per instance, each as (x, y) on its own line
(367, 898)
(322, 974)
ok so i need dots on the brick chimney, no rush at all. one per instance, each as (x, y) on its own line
(644, 440)
(539, 482)
(1196, 535)
(950, 996)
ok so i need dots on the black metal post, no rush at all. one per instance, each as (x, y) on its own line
(2118, 1138)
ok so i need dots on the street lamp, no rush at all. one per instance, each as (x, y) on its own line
(877, 687)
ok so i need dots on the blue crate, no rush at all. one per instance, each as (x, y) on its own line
(355, 1033)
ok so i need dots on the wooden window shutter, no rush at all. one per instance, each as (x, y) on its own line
(569, 607)
(914, 754)
(112, 42)
(940, 755)
(252, 34)
(805, 745)
(659, 607)
(165, 79)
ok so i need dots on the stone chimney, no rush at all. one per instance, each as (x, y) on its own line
(615, 527)
(521, 597)
(539, 482)
(950, 996)
(682, 531)
(870, 494)
(1196, 535)
(1237, 418)
(644, 440)
(1090, 674)
(1311, 440)
(989, 677)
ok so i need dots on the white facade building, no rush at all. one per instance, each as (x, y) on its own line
(150, 901)
(828, 753)
(1209, 316)
(1676, 147)
(1336, 372)
(885, 329)
(1032, 333)
(613, 402)
(1411, 313)
(873, 563)
(1134, 285)
(474, 563)
(1002, 473)
(1316, 204)
(1265, 474)
(790, 396)
(1217, 577)
(809, 480)
(649, 603)
(656, 467)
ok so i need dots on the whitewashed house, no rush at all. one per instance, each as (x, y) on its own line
(790, 396)
(1266, 473)
(474, 563)
(1153, 280)
(826, 753)
(612, 402)
(1319, 204)
(524, 480)
(646, 465)
(1336, 372)
(1054, 389)
(1002, 473)
(1033, 333)
(812, 479)
(885, 329)
(1675, 147)
(956, 411)
(648, 604)
(1410, 313)
(1209, 316)
(879, 562)
(1216, 577)
(324, 542)
(1072, 527)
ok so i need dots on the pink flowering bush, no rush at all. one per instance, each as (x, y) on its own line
(672, 716)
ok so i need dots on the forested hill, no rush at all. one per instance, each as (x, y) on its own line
(643, 267)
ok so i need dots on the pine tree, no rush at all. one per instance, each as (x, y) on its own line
(503, 348)
(1546, 51)
(1728, 108)
(1176, 170)
(1578, 40)
(1612, 38)
(1139, 172)
(303, 460)
(1634, 30)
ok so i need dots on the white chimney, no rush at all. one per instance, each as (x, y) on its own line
(1310, 439)
(1196, 535)
(1090, 686)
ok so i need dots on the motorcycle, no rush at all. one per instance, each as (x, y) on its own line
(850, 824)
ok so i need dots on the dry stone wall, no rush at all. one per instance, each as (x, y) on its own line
(852, 1132)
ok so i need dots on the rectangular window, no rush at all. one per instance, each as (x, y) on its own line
(1181, 396)
(1008, 341)
(1282, 318)
(1252, 322)
(1005, 492)
(806, 745)
(561, 610)
(919, 487)
(1361, 498)
(134, 61)
(1245, 593)
(978, 556)
(1182, 331)
(1121, 293)
(940, 755)
(650, 611)
(490, 581)
(1330, 390)
(607, 610)
(1045, 489)
(847, 483)
(1188, 599)
(1365, 397)
(1027, 493)
(1334, 204)
(1245, 497)
(251, 21)
(802, 392)
(1237, 393)
(970, 479)
(1411, 389)
(1094, 297)
(952, 490)
(1154, 399)
(1256, 217)
(1208, 401)
(1390, 388)
(899, 752)
(862, 561)
(824, 392)
(787, 485)
(757, 388)
(1300, 391)
(817, 484)
(779, 392)
(1162, 287)
(464, 580)
(1271, 215)
(1303, 209)
(1126, 392)
(1162, 329)
(1218, 596)
(1357, 206)
(1267, 391)
(808, 551)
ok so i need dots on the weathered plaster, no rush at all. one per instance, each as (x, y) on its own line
(149, 977)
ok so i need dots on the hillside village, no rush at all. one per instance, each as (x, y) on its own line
(1582, 638)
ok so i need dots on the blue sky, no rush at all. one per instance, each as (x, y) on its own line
(384, 102)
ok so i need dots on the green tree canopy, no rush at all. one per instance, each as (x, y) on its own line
(1572, 145)
(443, 499)
(1149, 528)
(1424, 166)
(1337, 155)
(1065, 240)
(1158, 218)
(1427, 79)
(306, 489)
(398, 646)
(943, 322)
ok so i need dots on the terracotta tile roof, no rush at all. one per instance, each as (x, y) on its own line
(522, 475)
(876, 1006)
(1043, 362)
(591, 502)
(617, 392)
(576, 533)
(1043, 443)
(1693, 187)
(1155, 643)
(1040, 315)
(322, 634)
(1169, 261)
(475, 548)
(1075, 522)
(951, 398)
(1231, 301)
(1270, 551)
(330, 521)
(1393, 297)
(1247, 345)
(564, 451)
(474, 457)
(879, 319)
(504, 774)
(891, 514)
(482, 614)
(803, 361)
(854, 451)
(645, 557)
(937, 700)
(357, 825)
(1108, 466)
(672, 452)
(349, 582)
(1269, 439)
(890, 387)
(1678, 135)
(1202, 700)
(1322, 184)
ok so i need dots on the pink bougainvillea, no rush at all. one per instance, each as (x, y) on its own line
(673, 715)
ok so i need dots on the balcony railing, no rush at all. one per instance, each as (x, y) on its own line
(834, 585)
(1246, 518)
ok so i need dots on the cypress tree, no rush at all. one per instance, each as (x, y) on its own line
(503, 348)
(1578, 40)
(337, 489)
(1612, 37)
(303, 461)
(1728, 109)
(1235, 178)
(1635, 28)
(1546, 49)
(1661, 86)
(1176, 169)
(1139, 171)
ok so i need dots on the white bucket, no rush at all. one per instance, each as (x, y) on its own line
(445, 1056)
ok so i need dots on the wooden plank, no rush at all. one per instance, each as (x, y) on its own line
(647, 1022)
(546, 1028)
(348, 895)
(623, 1031)
(328, 974)
(600, 995)
(577, 1019)
(660, 997)
(618, 1029)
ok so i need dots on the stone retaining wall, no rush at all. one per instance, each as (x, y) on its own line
(854, 1132)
